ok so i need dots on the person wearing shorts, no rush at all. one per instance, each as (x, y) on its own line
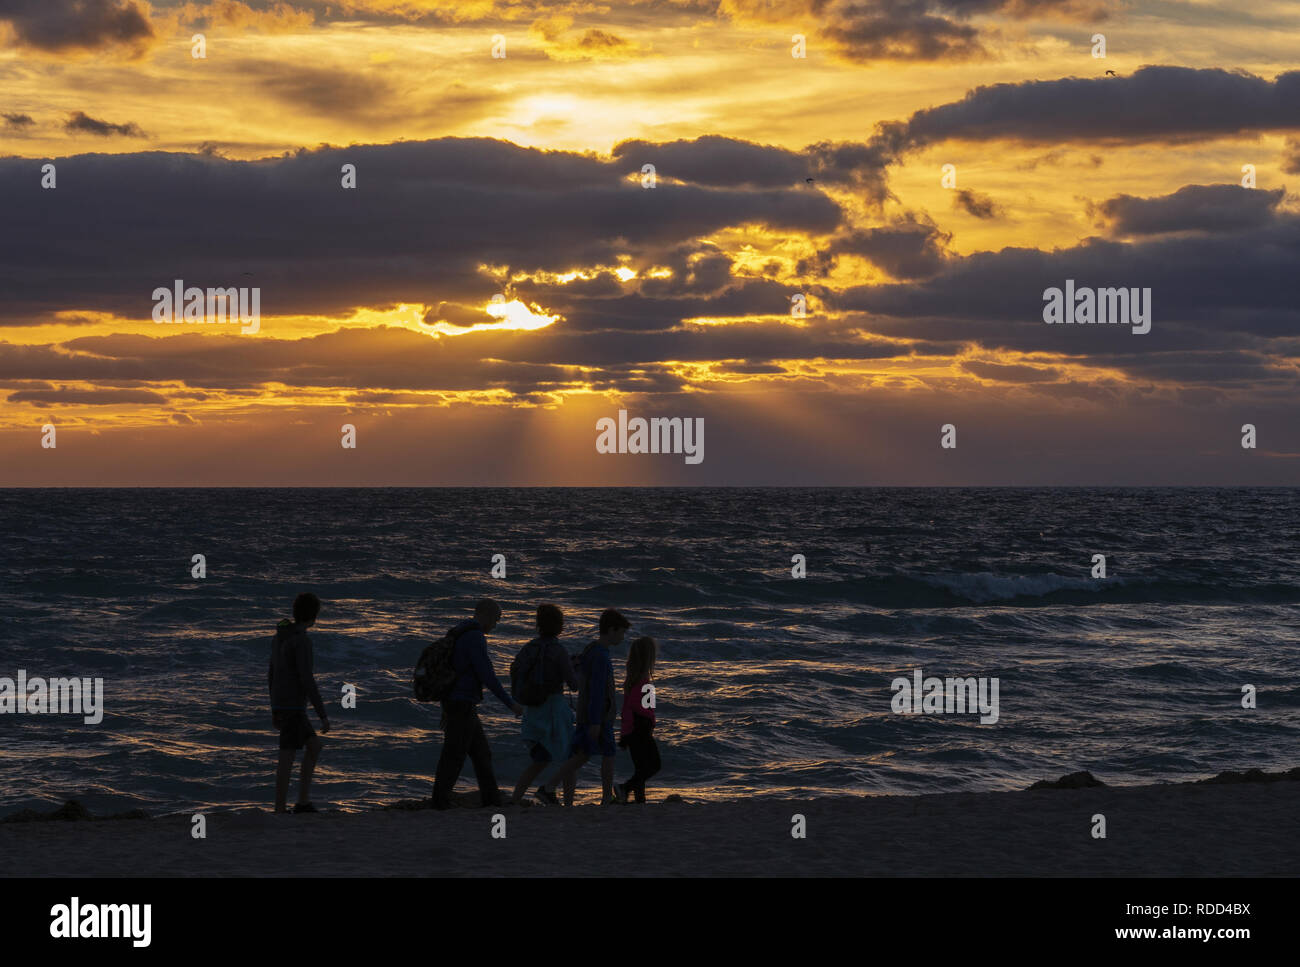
(295, 730)
(604, 745)
(594, 733)
(292, 681)
(537, 753)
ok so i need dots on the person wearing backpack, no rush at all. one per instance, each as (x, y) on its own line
(462, 731)
(596, 710)
(537, 679)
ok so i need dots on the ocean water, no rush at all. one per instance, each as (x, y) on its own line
(767, 684)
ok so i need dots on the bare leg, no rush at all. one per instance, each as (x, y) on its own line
(521, 787)
(570, 783)
(282, 771)
(607, 777)
(309, 758)
(568, 775)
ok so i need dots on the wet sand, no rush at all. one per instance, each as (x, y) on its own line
(1176, 829)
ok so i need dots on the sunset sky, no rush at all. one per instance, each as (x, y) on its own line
(520, 177)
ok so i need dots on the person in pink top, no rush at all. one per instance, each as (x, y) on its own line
(637, 730)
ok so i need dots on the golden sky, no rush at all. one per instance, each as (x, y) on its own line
(499, 278)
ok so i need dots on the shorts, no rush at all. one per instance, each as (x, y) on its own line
(295, 730)
(603, 745)
(538, 752)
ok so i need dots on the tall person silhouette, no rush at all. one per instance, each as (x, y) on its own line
(462, 731)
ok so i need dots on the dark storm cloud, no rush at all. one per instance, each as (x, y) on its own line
(61, 25)
(976, 203)
(1010, 373)
(720, 161)
(717, 160)
(44, 319)
(1154, 104)
(424, 218)
(380, 13)
(905, 249)
(899, 30)
(86, 397)
(912, 30)
(47, 362)
(752, 341)
(752, 369)
(388, 358)
(1211, 292)
(701, 284)
(81, 123)
(636, 311)
(1226, 367)
(1203, 208)
(861, 30)
(428, 216)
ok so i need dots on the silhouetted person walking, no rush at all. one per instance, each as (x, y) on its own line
(639, 718)
(538, 676)
(292, 681)
(462, 731)
(597, 703)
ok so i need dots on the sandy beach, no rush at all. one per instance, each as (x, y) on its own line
(1176, 829)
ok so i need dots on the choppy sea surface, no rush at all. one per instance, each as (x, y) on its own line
(768, 684)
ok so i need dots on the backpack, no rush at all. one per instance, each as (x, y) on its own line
(435, 674)
(531, 680)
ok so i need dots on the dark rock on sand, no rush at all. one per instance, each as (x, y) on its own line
(1253, 775)
(1075, 780)
(71, 811)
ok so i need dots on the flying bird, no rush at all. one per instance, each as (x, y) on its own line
(808, 180)
(1111, 74)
